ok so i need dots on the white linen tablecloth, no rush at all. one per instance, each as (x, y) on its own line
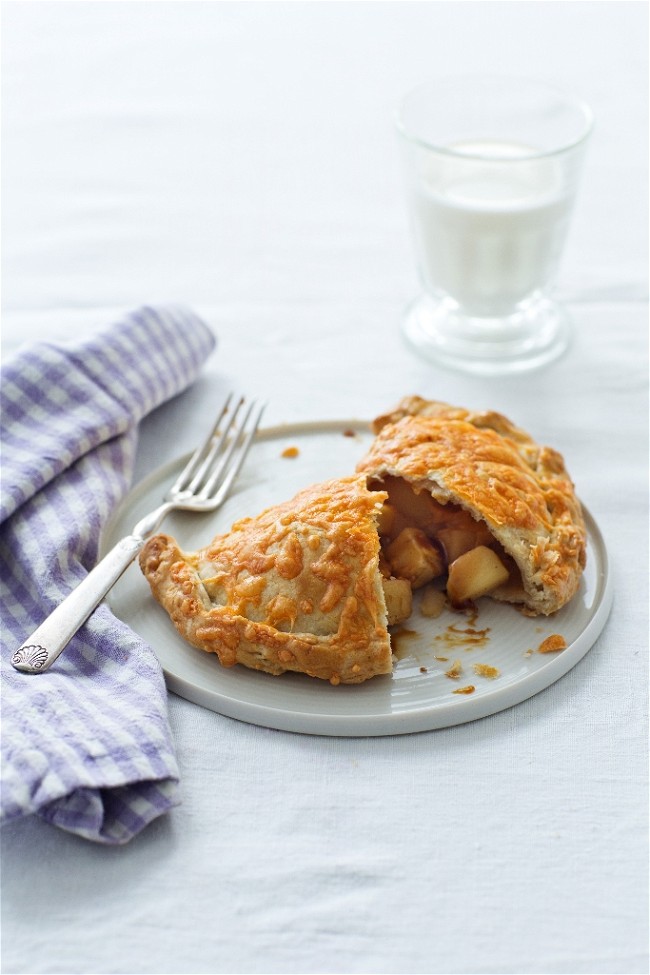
(240, 158)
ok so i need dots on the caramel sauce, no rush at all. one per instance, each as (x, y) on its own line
(468, 637)
(398, 638)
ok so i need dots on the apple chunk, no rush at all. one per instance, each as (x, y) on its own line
(475, 574)
(399, 600)
(412, 556)
(432, 602)
(456, 541)
(416, 508)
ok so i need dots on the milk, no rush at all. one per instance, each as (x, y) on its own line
(489, 232)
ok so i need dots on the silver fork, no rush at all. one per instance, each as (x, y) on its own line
(202, 485)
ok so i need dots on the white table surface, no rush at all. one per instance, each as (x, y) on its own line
(239, 157)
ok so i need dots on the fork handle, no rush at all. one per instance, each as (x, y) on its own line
(48, 641)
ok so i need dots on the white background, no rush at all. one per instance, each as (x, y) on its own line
(240, 157)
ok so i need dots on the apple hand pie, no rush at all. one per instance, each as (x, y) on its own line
(477, 492)
(444, 499)
(297, 588)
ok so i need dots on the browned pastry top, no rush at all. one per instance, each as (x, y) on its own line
(295, 588)
(501, 476)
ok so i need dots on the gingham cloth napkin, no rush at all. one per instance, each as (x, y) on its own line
(85, 745)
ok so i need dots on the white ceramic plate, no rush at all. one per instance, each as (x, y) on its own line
(418, 696)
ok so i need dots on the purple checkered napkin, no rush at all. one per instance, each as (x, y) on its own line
(85, 745)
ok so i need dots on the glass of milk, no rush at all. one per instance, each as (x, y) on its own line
(492, 167)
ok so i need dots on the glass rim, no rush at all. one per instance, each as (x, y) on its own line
(571, 99)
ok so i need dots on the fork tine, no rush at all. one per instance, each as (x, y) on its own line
(188, 472)
(214, 450)
(241, 441)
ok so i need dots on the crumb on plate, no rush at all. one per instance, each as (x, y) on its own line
(552, 643)
(486, 670)
(455, 670)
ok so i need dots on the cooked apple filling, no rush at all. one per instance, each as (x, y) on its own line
(423, 540)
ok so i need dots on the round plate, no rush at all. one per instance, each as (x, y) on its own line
(418, 696)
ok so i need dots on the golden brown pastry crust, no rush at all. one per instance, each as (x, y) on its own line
(496, 472)
(295, 589)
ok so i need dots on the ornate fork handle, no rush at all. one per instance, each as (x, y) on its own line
(48, 641)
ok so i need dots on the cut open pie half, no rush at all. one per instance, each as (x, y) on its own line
(463, 502)
(499, 509)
